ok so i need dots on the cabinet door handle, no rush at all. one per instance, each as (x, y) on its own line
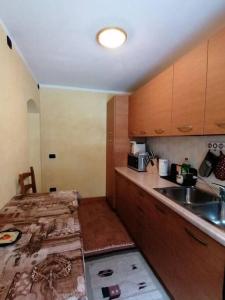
(159, 131)
(220, 124)
(200, 241)
(160, 209)
(143, 132)
(185, 128)
(132, 133)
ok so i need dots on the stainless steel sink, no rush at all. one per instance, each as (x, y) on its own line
(212, 212)
(187, 195)
(203, 204)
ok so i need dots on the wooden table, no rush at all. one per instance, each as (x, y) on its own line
(46, 263)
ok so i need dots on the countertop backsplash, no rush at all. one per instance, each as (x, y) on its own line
(177, 148)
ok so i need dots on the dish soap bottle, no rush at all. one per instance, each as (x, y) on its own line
(185, 167)
(179, 177)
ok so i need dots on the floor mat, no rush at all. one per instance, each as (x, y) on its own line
(122, 276)
(102, 231)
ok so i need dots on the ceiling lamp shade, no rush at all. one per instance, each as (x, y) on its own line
(111, 37)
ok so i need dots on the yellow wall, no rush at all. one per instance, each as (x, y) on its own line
(73, 126)
(16, 88)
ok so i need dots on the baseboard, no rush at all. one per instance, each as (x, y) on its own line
(91, 199)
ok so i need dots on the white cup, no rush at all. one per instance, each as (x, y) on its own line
(163, 167)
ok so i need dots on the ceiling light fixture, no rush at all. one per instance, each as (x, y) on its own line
(111, 37)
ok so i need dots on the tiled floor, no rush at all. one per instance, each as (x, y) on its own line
(126, 274)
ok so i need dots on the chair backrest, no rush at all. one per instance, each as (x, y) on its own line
(25, 187)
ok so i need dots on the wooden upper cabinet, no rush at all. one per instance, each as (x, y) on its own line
(139, 112)
(133, 115)
(215, 93)
(188, 98)
(189, 92)
(160, 89)
(150, 107)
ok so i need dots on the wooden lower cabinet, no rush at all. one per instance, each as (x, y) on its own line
(126, 206)
(199, 263)
(157, 246)
(189, 262)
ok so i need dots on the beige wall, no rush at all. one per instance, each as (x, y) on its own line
(16, 88)
(73, 126)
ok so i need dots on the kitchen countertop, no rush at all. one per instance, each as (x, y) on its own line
(148, 182)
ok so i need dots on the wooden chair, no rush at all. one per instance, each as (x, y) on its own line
(25, 187)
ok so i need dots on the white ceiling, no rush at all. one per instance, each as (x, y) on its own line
(57, 37)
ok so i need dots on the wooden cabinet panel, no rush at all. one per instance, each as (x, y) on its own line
(139, 112)
(109, 174)
(109, 152)
(196, 84)
(160, 108)
(122, 198)
(148, 223)
(150, 107)
(189, 262)
(157, 242)
(133, 115)
(126, 205)
(189, 92)
(121, 140)
(199, 263)
(117, 142)
(138, 197)
(215, 93)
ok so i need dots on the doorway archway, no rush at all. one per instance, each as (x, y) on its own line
(34, 140)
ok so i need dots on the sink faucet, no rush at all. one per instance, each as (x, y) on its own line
(221, 191)
(221, 197)
(222, 201)
(208, 184)
(214, 189)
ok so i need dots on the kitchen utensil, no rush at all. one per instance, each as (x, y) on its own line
(152, 168)
(208, 164)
